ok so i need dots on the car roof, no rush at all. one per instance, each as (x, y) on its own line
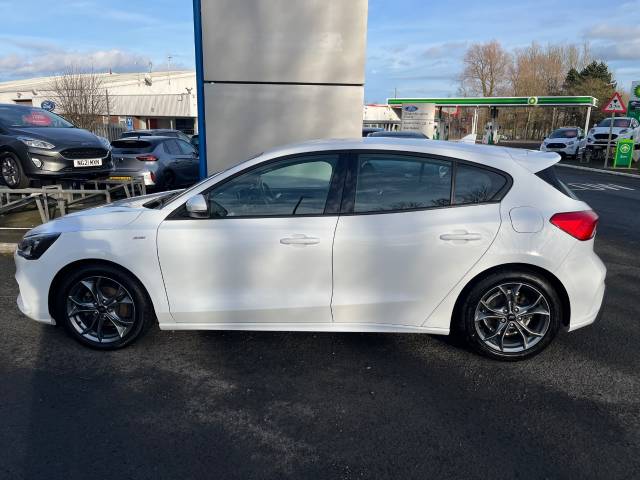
(490, 155)
(145, 138)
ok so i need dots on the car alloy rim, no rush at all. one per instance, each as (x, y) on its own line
(10, 171)
(512, 317)
(101, 309)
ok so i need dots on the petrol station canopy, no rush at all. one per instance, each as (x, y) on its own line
(563, 101)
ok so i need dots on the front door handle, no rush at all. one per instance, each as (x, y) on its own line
(460, 236)
(299, 240)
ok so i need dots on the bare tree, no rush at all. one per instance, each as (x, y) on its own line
(80, 96)
(486, 68)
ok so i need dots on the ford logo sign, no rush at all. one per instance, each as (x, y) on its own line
(410, 108)
(48, 105)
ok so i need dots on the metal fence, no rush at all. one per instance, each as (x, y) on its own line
(111, 132)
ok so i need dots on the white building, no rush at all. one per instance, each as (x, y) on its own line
(151, 100)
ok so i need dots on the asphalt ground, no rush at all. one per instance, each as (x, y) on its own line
(303, 405)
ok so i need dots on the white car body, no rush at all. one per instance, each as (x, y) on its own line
(388, 272)
(565, 146)
(599, 135)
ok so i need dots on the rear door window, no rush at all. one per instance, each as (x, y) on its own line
(185, 148)
(396, 182)
(171, 147)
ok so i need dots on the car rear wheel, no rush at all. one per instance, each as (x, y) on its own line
(12, 172)
(511, 315)
(103, 307)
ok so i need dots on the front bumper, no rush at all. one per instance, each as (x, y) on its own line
(33, 299)
(568, 150)
(52, 164)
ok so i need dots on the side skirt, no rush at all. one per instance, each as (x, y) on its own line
(305, 327)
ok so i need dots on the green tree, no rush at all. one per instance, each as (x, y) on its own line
(594, 80)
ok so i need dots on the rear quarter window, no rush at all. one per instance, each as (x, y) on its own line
(549, 176)
(131, 146)
(478, 185)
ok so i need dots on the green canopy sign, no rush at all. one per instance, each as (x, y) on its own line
(624, 153)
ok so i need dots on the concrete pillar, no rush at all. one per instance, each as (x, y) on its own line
(272, 72)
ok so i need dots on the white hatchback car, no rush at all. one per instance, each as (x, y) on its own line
(366, 235)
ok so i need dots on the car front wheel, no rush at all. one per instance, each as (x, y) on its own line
(511, 315)
(103, 307)
(12, 172)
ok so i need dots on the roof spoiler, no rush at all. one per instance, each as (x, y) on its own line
(533, 160)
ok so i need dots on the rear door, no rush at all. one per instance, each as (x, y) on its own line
(189, 162)
(405, 238)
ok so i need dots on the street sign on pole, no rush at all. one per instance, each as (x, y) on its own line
(613, 106)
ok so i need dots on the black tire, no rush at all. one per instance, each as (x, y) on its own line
(546, 327)
(12, 172)
(141, 316)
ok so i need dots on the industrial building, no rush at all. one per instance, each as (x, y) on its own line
(134, 100)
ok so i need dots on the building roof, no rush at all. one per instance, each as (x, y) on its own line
(109, 80)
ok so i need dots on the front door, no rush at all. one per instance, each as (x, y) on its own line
(264, 253)
(408, 240)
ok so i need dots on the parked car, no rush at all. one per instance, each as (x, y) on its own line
(567, 141)
(157, 132)
(623, 127)
(398, 134)
(37, 144)
(368, 130)
(162, 161)
(341, 236)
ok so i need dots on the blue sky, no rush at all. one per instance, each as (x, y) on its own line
(415, 46)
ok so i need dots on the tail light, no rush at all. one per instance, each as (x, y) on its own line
(147, 158)
(580, 225)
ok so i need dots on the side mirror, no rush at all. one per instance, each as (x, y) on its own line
(197, 207)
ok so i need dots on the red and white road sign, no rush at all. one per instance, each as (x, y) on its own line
(615, 105)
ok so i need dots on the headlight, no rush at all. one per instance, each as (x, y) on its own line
(105, 142)
(624, 130)
(34, 246)
(35, 143)
(571, 142)
(592, 131)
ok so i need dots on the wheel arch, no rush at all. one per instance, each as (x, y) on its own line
(67, 269)
(550, 277)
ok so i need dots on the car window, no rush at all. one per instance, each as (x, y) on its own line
(297, 186)
(171, 147)
(391, 182)
(477, 185)
(185, 147)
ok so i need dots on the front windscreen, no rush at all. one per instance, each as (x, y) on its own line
(564, 133)
(25, 117)
(617, 123)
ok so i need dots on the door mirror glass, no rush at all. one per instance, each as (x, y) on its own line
(197, 207)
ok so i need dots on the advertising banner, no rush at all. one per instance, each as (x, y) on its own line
(634, 101)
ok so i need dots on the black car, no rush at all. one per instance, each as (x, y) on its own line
(398, 134)
(156, 132)
(37, 144)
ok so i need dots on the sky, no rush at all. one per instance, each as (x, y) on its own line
(414, 47)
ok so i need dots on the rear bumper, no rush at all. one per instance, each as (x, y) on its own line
(583, 275)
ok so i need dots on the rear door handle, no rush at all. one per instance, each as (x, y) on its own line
(299, 240)
(460, 236)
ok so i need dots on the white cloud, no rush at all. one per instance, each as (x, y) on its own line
(16, 65)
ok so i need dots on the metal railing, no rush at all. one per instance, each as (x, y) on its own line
(50, 198)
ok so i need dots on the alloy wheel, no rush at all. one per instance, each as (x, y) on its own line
(512, 317)
(101, 309)
(10, 171)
